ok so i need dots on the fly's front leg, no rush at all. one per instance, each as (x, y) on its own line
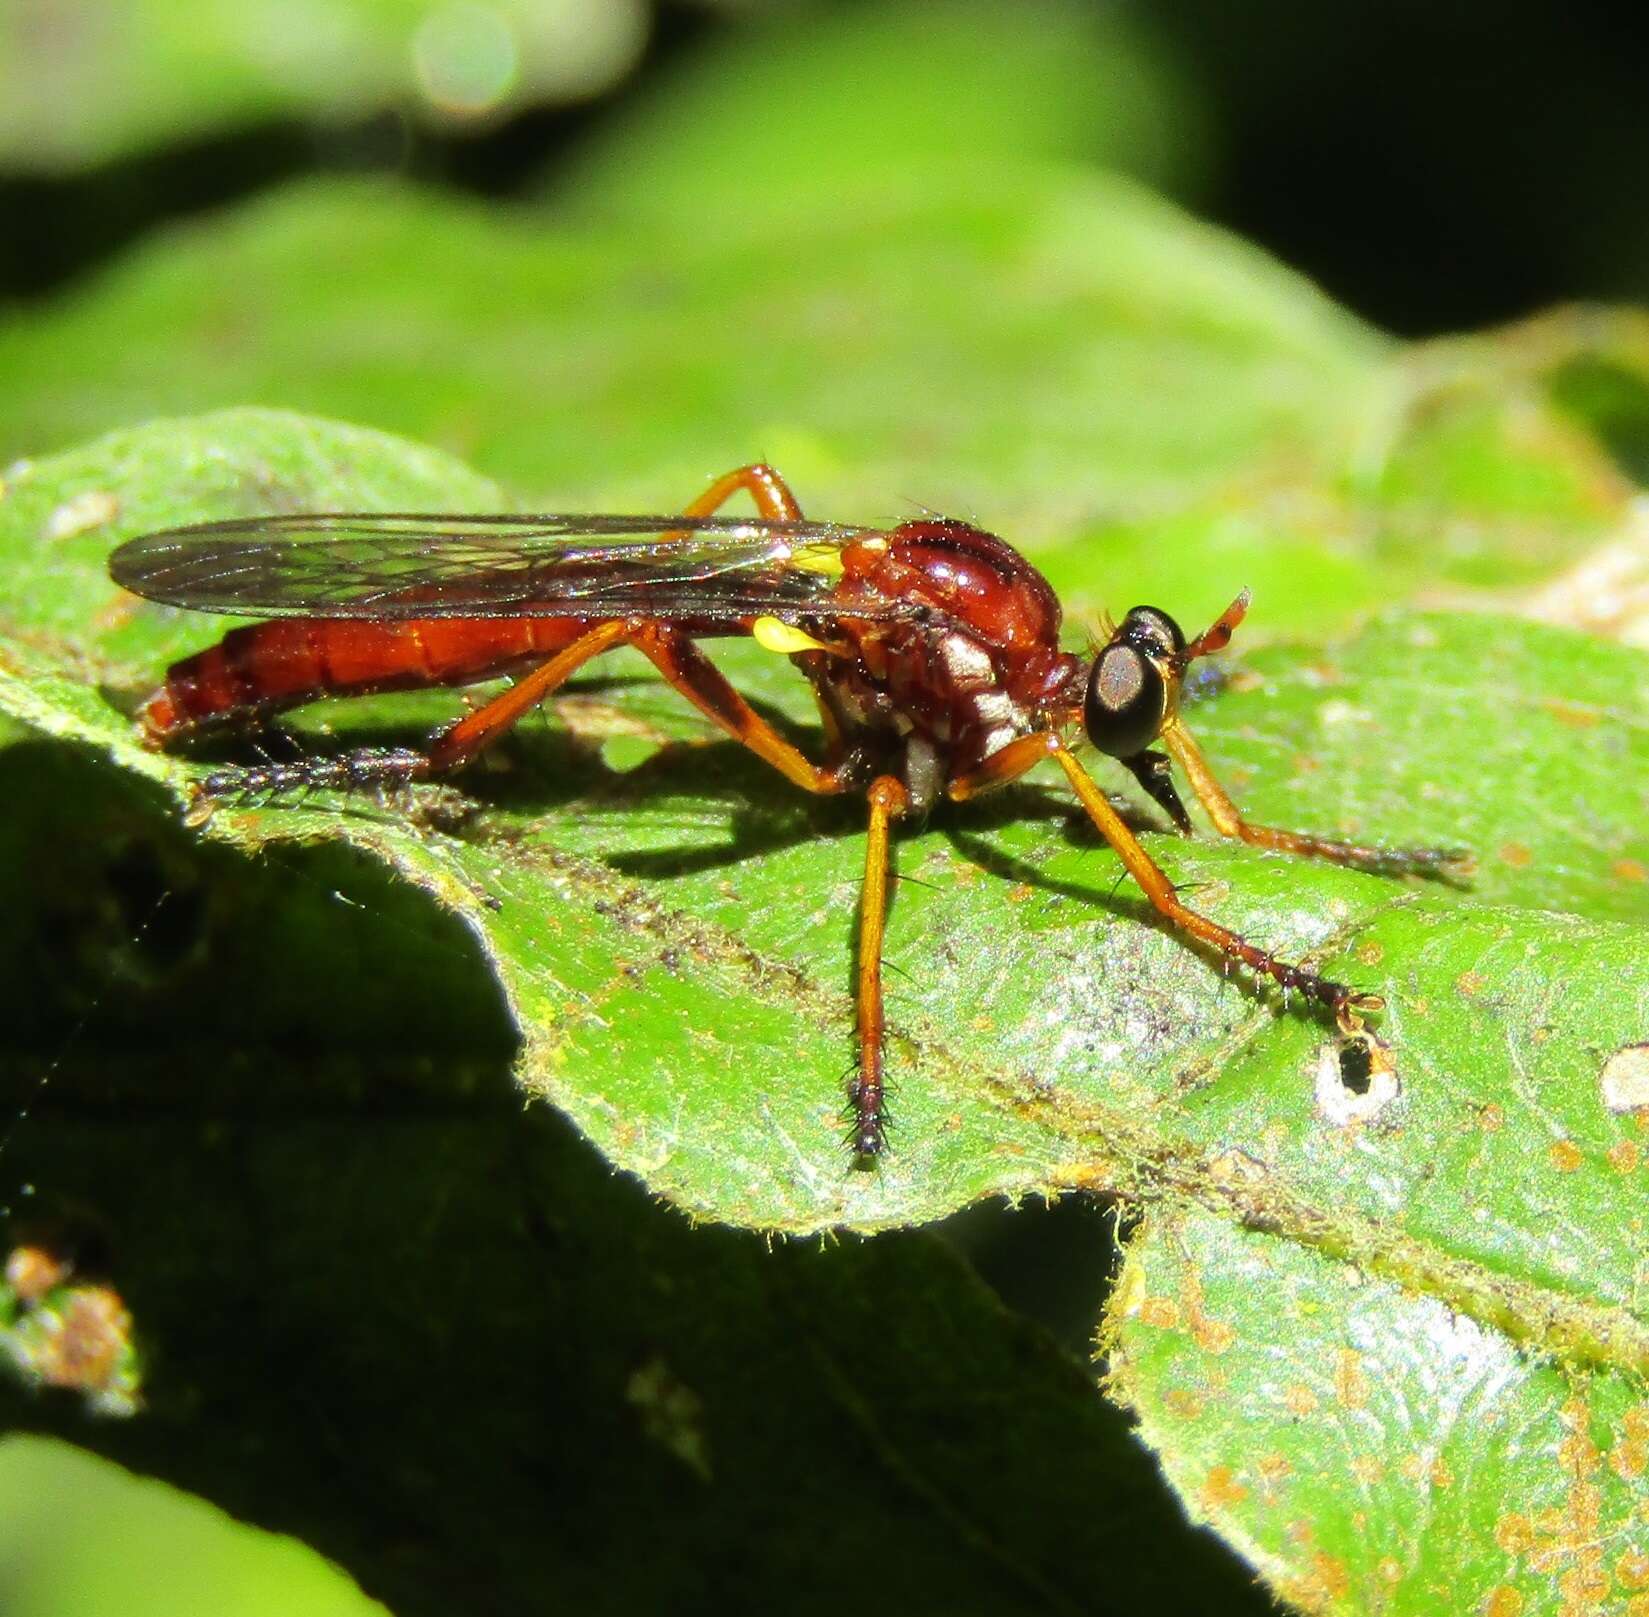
(381, 768)
(1440, 863)
(1018, 756)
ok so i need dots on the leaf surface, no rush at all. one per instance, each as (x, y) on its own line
(1366, 1447)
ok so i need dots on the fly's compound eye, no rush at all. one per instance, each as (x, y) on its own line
(1153, 631)
(1127, 700)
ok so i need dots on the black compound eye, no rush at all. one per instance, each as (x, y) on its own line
(1152, 630)
(1126, 703)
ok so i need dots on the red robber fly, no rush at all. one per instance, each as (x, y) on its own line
(932, 649)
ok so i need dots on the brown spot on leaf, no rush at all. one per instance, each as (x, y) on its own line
(1274, 1470)
(32, 1271)
(1330, 1575)
(1516, 854)
(80, 513)
(1632, 1569)
(1629, 1458)
(1625, 1155)
(1469, 984)
(1503, 1601)
(1572, 714)
(1491, 1118)
(1584, 1587)
(1163, 1312)
(1370, 952)
(1299, 1400)
(1235, 1168)
(1629, 870)
(1221, 1490)
(1565, 1155)
(1211, 1335)
(1183, 1403)
(1514, 1533)
(92, 1340)
(121, 608)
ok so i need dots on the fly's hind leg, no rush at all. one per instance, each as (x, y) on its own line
(388, 768)
(764, 485)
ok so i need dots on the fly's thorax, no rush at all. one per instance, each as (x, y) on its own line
(980, 667)
(970, 577)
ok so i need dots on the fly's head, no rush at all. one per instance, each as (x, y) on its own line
(1134, 688)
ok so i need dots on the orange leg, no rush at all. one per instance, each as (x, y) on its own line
(378, 767)
(764, 485)
(888, 800)
(1228, 821)
(1018, 756)
(686, 668)
(706, 687)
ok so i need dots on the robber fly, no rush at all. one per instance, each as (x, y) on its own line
(932, 649)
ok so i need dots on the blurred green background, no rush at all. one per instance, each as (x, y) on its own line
(1433, 168)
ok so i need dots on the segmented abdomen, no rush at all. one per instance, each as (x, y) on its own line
(264, 667)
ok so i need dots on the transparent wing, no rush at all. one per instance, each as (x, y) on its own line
(418, 565)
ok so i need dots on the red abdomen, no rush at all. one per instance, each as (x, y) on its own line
(264, 667)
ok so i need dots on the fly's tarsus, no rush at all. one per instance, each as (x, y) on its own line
(365, 769)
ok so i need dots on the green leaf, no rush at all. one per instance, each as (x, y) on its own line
(780, 103)
(1367, 1448)
(104, 82)
(705, 910)
(121, 1547)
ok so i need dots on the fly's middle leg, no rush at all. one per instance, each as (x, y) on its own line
(867, 1093)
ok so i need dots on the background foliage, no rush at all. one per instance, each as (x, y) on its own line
(1387, 1343)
